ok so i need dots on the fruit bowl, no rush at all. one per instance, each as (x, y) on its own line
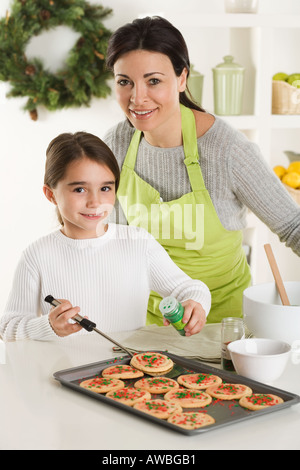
(295, 193)
(285, 98)
(259, 359)
(290, 178)
(266, 317)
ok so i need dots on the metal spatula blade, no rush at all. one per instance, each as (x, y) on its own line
(175, 372)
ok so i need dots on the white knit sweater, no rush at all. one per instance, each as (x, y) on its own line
(109, 278)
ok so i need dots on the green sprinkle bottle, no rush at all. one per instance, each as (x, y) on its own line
(173, 311)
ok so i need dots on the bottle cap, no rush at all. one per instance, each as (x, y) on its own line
(167, 305)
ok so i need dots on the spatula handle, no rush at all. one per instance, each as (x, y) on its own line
(84, 322)
(87, 324)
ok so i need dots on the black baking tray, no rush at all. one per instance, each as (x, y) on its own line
(224, 412)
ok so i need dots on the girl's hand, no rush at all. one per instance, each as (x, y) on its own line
(59, 319)
(194, 315)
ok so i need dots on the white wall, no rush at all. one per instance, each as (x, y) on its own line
(25, 213)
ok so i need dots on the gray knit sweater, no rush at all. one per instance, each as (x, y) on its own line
(235, 174)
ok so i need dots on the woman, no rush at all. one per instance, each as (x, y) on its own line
(186, 175)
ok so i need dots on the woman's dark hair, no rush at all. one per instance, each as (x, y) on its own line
(67, 148)
(153, 34)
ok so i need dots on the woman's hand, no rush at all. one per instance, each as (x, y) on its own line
(59, 319)
(194, 315)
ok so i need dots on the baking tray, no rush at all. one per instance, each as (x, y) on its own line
(224, 412)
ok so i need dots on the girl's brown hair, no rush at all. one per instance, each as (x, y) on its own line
(153, 34)
(67, 148)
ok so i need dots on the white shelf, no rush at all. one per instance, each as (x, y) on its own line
(253, 122)
(264, 44)
(194, 19)
(285, 121)
(242, 121)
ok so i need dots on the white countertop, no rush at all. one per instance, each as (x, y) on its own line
(37, 412)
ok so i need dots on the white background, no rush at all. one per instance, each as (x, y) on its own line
(25, 213)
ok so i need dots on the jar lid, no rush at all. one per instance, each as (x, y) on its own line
(232, 321)
(194, 73)
(228, 64)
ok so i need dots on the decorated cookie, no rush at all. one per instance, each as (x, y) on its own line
(259, 401)
(122, 371)
(160, 408)
(156, 384)
(188, 398)
(152, 363)
(129, 396)
(191, 419)
(226, 391)
(102, 384)
(199, 381)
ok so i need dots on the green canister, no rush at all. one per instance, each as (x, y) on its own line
(228, 87)
(195, 85)
(173, 311)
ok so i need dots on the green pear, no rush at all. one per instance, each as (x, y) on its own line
(294, 80)
(280, 76)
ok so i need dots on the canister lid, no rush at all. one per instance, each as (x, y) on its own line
(228, 64)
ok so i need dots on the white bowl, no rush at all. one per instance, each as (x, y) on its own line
(266, 317)
(260, 359)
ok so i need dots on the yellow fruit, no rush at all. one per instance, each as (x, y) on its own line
(294, 166)
(292, 179)
(279, 171)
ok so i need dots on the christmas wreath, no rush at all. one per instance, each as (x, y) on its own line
(84, 74)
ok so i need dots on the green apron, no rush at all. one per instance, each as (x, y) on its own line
(189, 229)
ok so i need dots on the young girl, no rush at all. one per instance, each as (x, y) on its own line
(105, 271)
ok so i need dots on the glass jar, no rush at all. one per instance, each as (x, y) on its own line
(241, 6)
(232, 329)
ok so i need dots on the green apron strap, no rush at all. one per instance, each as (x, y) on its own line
(189, 134)
(132, 151)
(189, 145)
